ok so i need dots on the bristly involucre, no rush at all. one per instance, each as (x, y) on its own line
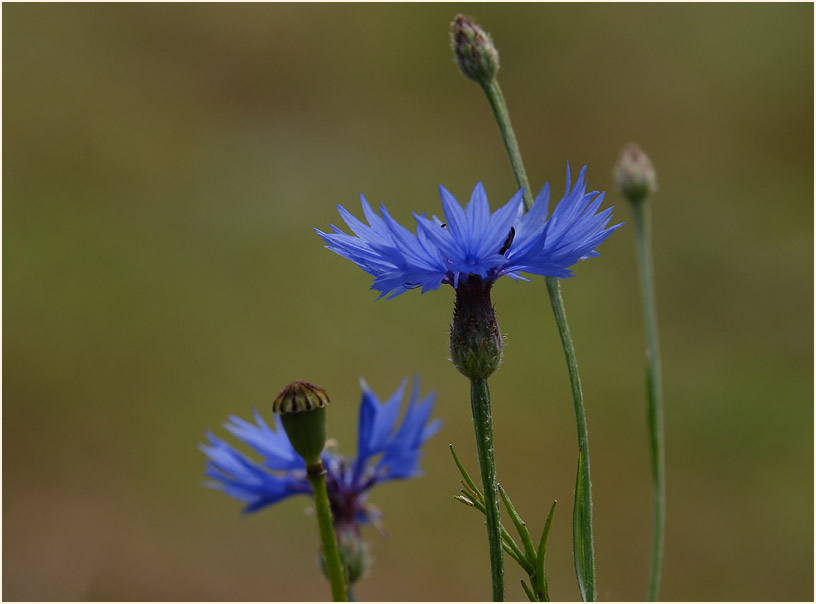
(474, 241)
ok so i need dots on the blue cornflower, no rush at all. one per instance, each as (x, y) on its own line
(475, 242)
(386, 450)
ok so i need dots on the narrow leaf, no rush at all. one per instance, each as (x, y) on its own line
(464, 500)
(521, 526)
(528, 592)
(519, 556)
(475, 495)
(464, 473)
(469, 498)
(582, 534)
(542, 543)
(514, 554)
(476, 503)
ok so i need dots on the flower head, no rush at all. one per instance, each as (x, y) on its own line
(475, 53)
(387, 450)
(474, 241)
(302, 409)
(634, 173)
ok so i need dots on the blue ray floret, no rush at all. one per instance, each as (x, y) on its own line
(387, 449)
(474, 241)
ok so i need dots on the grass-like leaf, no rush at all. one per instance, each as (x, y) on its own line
(582, 534)
(521, 526)
(542, 550)
(465, 475)
(528, 591)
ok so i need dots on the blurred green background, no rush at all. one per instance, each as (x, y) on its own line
(164, 166)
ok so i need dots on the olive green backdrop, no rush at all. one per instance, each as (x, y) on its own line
(164, 166)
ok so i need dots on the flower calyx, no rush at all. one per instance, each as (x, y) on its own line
(475, 338)
(302, 409)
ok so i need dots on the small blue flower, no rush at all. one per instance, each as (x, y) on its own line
(387, 450)
(473, 241)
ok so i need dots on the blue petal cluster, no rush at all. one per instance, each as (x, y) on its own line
(474, 241)
(387, 449)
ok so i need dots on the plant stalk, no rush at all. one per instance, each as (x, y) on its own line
(483, 426)
(496, 99)
(582, 535)
(583, 542)
(654, 392)
(334, 566)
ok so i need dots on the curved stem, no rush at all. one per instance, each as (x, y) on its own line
(654, 392)
(483, 426)
(583, 543)
(334, 567)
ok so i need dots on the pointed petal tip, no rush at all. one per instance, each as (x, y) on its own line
(364, 386)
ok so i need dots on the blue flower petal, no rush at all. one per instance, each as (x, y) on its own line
(472, 241)
(402, 455)
(272, 444)
(376, 421)
(239, 477)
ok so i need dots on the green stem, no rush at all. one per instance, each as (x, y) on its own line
(496, 99)
(582, 510)
(582, 537)
(483, 426)
(654, 392)
(334, 567)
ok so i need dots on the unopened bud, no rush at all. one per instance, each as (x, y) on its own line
(302, 407)
(353, 553)
(473, 47)
(475, 340)
(635, 174)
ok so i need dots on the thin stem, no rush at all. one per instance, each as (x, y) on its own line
(582, 509)
(334, 567)
(496, 99)
(583, 541)
(654, 392)
(483, 426)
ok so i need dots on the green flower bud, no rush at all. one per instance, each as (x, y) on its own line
(302, 407)
(475, 339)
(635, 175)
(473, 47)
(353, 553)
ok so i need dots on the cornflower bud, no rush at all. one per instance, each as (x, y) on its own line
(635, 175)
(475, 339)
(302, 407)
(353, 553)
(473, 47)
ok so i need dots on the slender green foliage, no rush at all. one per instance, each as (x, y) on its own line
(530, 559)
(521, 526)
(542, 549)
